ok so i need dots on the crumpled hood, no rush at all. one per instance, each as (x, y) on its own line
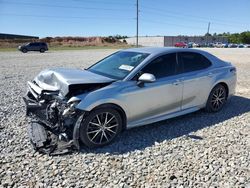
(61, 78)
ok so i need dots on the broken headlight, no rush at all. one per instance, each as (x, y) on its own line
(71, 104)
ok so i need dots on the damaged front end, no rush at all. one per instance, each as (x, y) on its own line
(53, 128)
(51, 105)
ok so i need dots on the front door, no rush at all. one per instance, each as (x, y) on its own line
(158, 98)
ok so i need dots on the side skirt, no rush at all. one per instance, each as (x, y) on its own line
(161, 117)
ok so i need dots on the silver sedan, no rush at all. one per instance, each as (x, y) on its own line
(129, 88)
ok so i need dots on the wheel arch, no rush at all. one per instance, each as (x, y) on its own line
(118, 108)
(217, 83)
(224, 84)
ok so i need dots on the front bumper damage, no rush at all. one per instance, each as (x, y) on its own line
(47, 142)
(53, 138)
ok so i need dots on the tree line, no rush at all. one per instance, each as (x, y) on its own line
(243, 37)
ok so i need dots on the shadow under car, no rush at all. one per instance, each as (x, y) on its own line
(141, 137)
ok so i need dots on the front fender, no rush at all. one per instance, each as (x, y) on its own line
(99, 97)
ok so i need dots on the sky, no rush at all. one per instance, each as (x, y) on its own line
(111, 17)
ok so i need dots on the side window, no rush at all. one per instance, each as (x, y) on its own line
(34, 44)
(162, 66)
(193, 61)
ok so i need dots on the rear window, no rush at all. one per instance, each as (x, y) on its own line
(193, 61)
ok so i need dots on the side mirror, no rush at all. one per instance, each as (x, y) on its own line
(146, 78)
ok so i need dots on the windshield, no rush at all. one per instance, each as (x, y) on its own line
(119, 64)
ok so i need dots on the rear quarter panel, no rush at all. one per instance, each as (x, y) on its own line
(225, 75)
(222, 73)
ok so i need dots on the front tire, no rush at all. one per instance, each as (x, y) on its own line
(100, 127)
(24, 50)
(217, 99)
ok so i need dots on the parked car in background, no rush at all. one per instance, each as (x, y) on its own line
(231, 45)
(224, 45)
(193, 45)
(181, 44)
(241, 46)
(129, 88)
(190, 45)
(196, 45)
(34, 46)
(218, 44)
(206, 45)
(247, 45)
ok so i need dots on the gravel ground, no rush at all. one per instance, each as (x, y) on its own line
(195, 150)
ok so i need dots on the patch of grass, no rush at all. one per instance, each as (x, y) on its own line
(8, 49)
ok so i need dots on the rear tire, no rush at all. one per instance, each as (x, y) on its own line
(100, 127)
(42, 50)
(217, 99)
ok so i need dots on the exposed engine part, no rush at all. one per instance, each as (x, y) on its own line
(52, 113)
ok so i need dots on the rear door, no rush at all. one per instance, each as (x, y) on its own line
(37, 46)
(197, 78)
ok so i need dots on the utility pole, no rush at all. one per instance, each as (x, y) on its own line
(137, 19)
(208, 28)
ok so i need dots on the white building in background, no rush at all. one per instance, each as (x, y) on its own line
(147, 41)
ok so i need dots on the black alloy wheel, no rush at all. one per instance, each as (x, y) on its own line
(100, 127)
(217, 99)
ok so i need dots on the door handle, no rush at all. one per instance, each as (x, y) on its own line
(176, 82)
(210, 75)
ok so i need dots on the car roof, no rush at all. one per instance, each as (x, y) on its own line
(37, 42)
(159, 50)
(155, 51)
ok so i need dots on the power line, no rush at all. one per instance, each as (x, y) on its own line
(188, 16)
(61, 6)
(64, 17)
(169, 23)
(150, 9)
(168, 16)
(104, 2)
(178, 25)
(156, 11)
